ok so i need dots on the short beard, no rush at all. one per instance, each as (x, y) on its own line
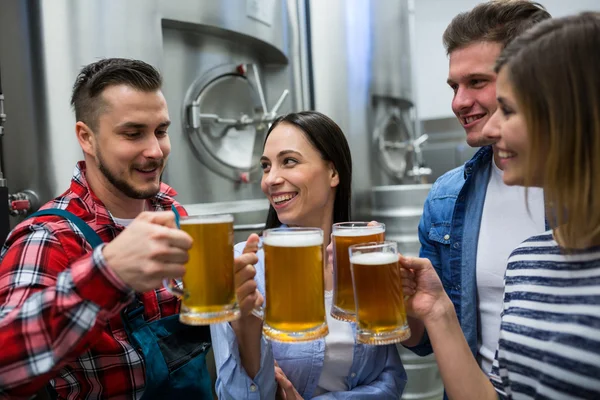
(125, 187)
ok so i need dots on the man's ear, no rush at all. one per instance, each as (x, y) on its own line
(86, 138)
(335, 177)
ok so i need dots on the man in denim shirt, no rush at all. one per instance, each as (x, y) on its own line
(471, 221)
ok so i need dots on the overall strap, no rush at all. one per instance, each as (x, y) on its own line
(177, 216)
(92, 238)
(90, 235)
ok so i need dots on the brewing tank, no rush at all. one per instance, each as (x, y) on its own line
(229, 68)
(362, 78)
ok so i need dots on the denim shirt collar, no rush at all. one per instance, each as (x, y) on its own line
(481, 157)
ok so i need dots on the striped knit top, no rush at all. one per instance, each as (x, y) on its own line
(549, 344)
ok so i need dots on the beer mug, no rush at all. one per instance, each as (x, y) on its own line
(208, 293)
(380, 312)
(294, 287)
(346, 234)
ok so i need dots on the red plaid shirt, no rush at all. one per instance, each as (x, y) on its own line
(60, 305)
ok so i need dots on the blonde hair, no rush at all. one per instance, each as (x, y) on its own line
(554, 69)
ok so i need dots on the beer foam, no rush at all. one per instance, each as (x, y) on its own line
(359, 231)
(205, 219)
(294, 239)
(375, 258)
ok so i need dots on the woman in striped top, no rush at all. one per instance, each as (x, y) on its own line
(548, 126)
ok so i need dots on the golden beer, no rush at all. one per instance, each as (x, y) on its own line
(208, 285)
(381, 315)
(346, 234)
(295, 309)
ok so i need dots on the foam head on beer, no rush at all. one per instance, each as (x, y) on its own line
(374, 258)
(206, 219)
(294, 239)
(359, 231)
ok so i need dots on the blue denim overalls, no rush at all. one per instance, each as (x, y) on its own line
(174, 353)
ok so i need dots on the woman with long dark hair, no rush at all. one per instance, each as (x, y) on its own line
(307, 175)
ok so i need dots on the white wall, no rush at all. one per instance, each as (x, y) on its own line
(431, 17)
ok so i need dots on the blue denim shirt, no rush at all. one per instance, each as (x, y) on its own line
(376, 371)
(449, 232)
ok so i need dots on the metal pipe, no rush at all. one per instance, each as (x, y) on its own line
(2, 121)
(4, 204)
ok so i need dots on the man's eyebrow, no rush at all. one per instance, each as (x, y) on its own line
(136, 125)
(139, 125)
(477, 75)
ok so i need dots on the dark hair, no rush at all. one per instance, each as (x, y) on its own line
(329, 140)
(495, 21)
(96, 77)
(553, 72)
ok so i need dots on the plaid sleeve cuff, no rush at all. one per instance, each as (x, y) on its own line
(96, 282)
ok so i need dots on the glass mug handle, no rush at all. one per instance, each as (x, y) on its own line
(259, 311)
(174, 290)
(167, 283)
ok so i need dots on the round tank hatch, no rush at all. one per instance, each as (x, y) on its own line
(393, 140)
(223, 121)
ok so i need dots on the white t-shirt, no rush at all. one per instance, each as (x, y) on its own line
(339, 353)
(505, 223)
(123, 221)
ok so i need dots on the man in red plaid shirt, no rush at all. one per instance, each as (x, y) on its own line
(63, 304)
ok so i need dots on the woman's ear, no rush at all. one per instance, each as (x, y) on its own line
(335, 177)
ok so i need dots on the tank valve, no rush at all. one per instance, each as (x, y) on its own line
(22, 203)
(242, 69)
(245, 177)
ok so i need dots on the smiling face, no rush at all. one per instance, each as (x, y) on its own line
(128, 151)
(509, 126)
(472, 78)
(299, 184)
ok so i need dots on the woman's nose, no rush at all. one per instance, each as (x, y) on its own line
(273, 177)
(491, 130)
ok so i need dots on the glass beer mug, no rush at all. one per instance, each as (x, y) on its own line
(294, 287)
(344, 235)
(380, 312)
(208, 293)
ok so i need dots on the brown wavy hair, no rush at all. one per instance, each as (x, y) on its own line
(86, 98)
(495, 21)
(554, 69)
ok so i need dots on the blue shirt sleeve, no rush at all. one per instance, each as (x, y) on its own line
(233, 382)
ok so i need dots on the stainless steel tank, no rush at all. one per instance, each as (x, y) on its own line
(363, 80)
(400, 207)
(226, 65)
